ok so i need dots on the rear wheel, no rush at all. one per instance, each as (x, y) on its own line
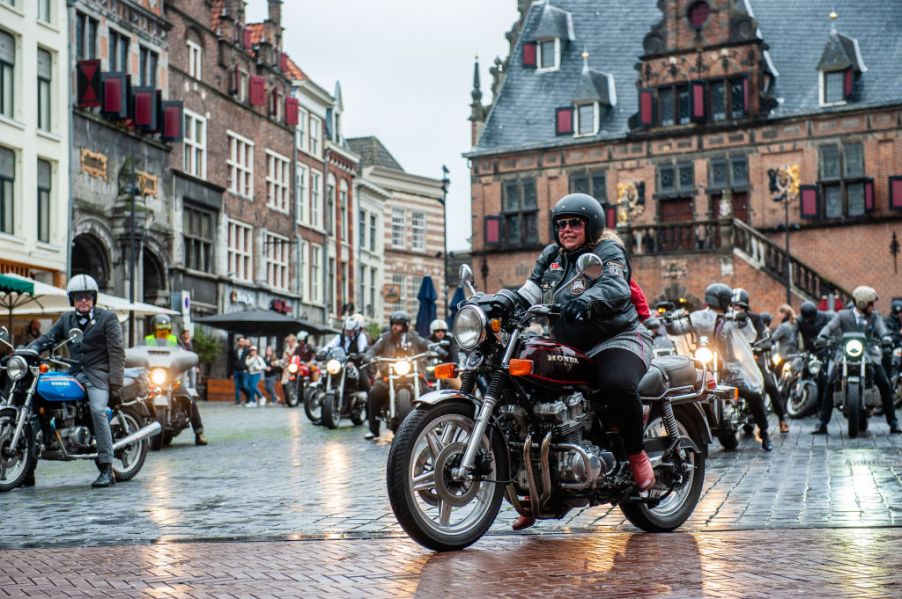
(129, 460)
(403, 404)
(331, 409)
(158, 442)
(853, 408)
(17, 462)
(687, 478)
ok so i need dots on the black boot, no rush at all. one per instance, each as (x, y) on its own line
(766, 444)
(28, 481)
(820, 429)
(106, 478)
(894, 428)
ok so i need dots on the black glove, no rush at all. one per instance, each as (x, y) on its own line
(820, 342)
(115, 394)
(886, 342)
(740, 317)
(577, 309)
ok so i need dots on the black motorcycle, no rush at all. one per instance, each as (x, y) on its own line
(537, 433)
(854, 391)
(340, 397)
(798, 382)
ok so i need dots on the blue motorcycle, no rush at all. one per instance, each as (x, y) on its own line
(46, 415)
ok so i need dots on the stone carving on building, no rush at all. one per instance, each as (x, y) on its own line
(630, 201)
(94, 164)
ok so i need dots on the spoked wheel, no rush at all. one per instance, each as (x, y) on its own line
(676, 507)
(434, 508)
(313, 405)
(129, 460)
(331, 409)
(802, 399)
(15, 462)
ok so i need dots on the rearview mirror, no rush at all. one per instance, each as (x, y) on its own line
(4, 338)
(466, 279)
(590, 265)
(75, 334)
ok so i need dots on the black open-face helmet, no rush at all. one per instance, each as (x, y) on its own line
(580, 205)
(766, 318)
(896, 305)
(741, 298)
(808, 311)
(400, 317)
(718, 296)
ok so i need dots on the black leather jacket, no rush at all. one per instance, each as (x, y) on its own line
(810, 330)
(555, 279)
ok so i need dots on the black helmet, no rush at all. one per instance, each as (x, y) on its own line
(741, 298)
(400, 317)
(718, 295)
(808, 310)
(896, 305)
(766, 318)
(583, 206)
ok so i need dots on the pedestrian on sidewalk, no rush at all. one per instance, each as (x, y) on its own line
(255, 368)
(239, 369)
(273, 373)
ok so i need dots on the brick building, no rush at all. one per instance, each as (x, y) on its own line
(686, 119)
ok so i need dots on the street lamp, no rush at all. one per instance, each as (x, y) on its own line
(445, 183)
(784, 187)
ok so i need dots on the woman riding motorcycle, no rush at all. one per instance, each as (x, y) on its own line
(597, 317)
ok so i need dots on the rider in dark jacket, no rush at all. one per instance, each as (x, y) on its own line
(597, 316)
(894, 328)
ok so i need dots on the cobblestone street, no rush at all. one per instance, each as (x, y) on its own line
(268, 475)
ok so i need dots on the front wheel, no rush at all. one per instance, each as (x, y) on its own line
(686, 477)
(291, 394)
(15, 462)
(313, 405)
(129, 460)
(802, 399)
(436, 510)
(853, 408)
(331, 409)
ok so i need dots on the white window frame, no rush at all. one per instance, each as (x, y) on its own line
(196, 149)
(276, 252)
(304, 282)
(278, 174)
(241, 165)
(372, 295)
(343, 208)
(9, 83)
(240, 250)
(316, 198)
(243, 84)
(195, 60)
(398, 238)
(556, 64)
(302, 142)
(373, 224)
(316, 274)
(316, 135)
(822, 84)
(45, 11)
(595, 115)
(417, 230)
(401, 282)
(44, 100)
(302, 202)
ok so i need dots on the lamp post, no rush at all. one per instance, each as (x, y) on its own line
(445, 183)
(132, 251)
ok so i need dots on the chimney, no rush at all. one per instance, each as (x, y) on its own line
(275, 19)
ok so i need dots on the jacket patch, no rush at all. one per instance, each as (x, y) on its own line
(555, 266)
(613, 268)
(578, 286)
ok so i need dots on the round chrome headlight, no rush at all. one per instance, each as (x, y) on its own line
(469, 327)
(158, 376)
(776, 359)
(402, 367)
(854, 348)
(704, 355)
(292, 368)
(814, 366)
(16, 368)
(333, 366)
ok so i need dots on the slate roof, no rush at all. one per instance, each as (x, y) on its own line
(372, 152)
(797, 32)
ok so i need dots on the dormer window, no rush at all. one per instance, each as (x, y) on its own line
(543, 45)
(549, 55)
(833, 87)
(840, 65)
(586, 119)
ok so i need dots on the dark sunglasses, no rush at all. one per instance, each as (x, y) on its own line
(573, 223)
(80, 297)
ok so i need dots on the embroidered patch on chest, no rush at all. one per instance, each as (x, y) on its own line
(577, 287)
(555, 266)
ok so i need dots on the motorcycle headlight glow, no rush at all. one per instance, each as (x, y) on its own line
(469, 327)
(854, 348)
(158, 377)
(292, 368)
(704, 355)
(402, 367)
(776, 359)
(16, 368)
(814, 366)
(333, 366)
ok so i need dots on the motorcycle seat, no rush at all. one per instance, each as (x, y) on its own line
(666, 372)
(133, 384)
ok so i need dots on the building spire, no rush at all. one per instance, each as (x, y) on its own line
(476, 93)
(585, 56)
(833, 17)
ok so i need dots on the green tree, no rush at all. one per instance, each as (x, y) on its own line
(207, 347)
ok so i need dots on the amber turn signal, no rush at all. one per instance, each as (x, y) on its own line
(518, 367)
(446, 371)
(495, 323)
(43, 368)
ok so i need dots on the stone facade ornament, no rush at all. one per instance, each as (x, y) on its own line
(630, 201)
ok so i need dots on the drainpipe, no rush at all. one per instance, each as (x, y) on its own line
(70, 10)
(327, 289)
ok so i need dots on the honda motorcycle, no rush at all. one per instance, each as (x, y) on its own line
(170, 397)
(798, 383)
(405, 384)
(47, 415)
(854, 391)
(340, 397)
(537, 432)
(300, 375)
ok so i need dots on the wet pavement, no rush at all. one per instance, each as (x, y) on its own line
(310, 510)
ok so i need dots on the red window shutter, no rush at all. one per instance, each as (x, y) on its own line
(492, 230)
(646, 108)
(746, 95)
(610, 215)
(115, 95)
(895, 193)
(89, 88)
(563, 121)
(291, 112)
(869, 195)
(847, 84)
(697, 97)
(144, 108)
(257, 90)
(529, 54)
(247, 39)
(172, 119)
(809, 201)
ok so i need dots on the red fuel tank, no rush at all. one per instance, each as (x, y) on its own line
(555, 364)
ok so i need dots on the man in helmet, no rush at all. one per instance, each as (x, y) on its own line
(162, 332)
(741, 303)
(894, 327)
(353, 340)
(864, 318)
(99, 358)
(438, 333)
(397, 341)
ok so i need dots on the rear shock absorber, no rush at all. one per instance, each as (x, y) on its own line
(670, 423)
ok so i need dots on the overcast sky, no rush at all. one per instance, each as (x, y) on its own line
(406, 71)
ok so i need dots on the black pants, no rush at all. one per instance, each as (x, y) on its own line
(755, 402)
(770, 387)
(197, 425)
(880, 379)
(619, 372)
(377, 400)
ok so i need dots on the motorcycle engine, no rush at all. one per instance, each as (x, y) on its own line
(75, 437)
(567, 416)
(580, 467)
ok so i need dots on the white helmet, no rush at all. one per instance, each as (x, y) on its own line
(437, 325)
(864, 295)
(80, 283)
(352, 323)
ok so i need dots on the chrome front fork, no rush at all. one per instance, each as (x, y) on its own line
(24, 412)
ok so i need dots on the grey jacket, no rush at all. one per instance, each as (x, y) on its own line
(787, 339)
(99, 354)
(845, 321)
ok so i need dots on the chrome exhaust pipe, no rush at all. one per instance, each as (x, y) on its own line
(139, 435)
